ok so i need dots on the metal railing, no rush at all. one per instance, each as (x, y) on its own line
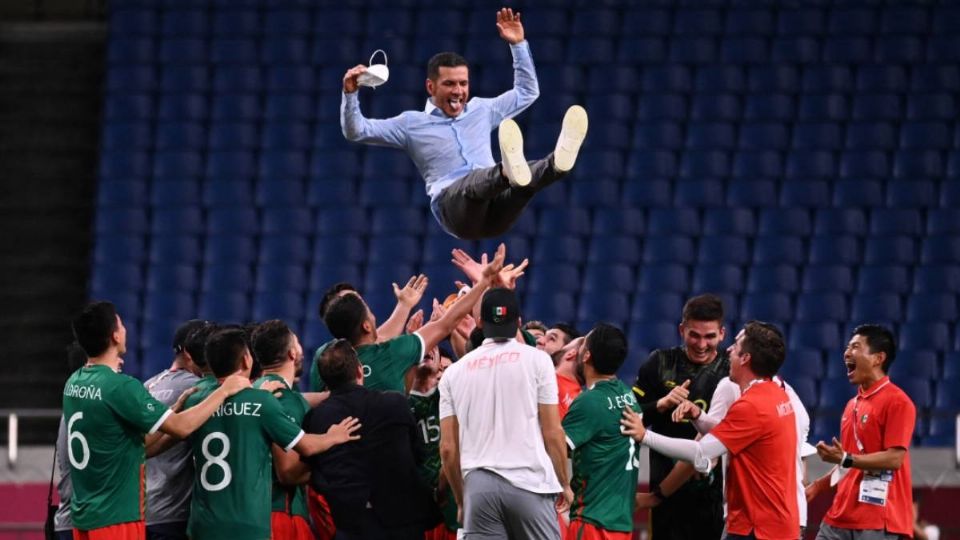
(13, 417)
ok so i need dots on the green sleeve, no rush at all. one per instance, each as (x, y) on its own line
(131, 401)
(579, 424)
(409, 348)
(316, 383)
(528, 338)
(280, 427)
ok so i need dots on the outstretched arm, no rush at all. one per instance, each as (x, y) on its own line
(525, 87)
(356, 127)
(407, 297)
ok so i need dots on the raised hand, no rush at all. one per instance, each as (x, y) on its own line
(438, 311)
(415, 322)
(350, 83)
(491, 271)
(470, 268)
(412, 292)
(510, 274)
(509, 26)
(676, 396)
(686, 410)
(344, 431)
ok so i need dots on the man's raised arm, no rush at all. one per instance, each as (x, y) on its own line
(356, 127)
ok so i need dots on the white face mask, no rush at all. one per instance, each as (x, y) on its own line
(376, 74)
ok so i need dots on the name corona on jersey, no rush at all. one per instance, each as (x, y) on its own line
(486, 362)
(239, 409)
(82, 392)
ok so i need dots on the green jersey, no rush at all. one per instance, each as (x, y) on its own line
(385, 364)
(234, 466)
(316, 383)
(426, 410)
(289, 499)
(605, 462)
(107, 414)
(207, 382)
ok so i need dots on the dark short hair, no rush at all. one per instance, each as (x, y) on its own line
(332, 293)
(879, 340)
(76, 357)
(224, 351)
(338, 364)
(705, 307)
(444, 59)
(271, 340)
(568, 329)
(345, 316)
(197, 341)
(608, 348)
(93, 328)
(764, 343)
(535, 325)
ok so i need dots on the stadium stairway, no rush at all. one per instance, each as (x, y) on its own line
(50, 92)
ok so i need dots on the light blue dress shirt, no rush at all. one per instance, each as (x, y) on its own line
(445, 149)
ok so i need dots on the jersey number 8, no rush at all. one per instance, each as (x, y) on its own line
(218, 460)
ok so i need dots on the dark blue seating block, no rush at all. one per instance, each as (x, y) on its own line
(803, 364)
(172, 276)
(614, 277)
(932, 306)
(770, 306)
(650, 335)
(743, 50)
(628, 221)
(397, 248)
(699, 192)
(609, 306)
(942, 431)
(943, 221)
(834, 249)
(563, 222)
(225, 306)
(937, 279)
(614, 249)
(724, 250)
(126, 135)
(840, 221)
(814, 335)
(715, 277)
(924, 335)
(549, 305)
(544, 279)
(323, 276)
(947, 399)
(729, 221)
(825, 426)
(886, 278)
(168, 305)
(667, 277)
(335, 221)
(339, 248)
(751, 193)
(918, 364)
(565, 249)
(835, 393)
(662, 221)
(943, 249)
(229, 249)
(875, 305)
(890, 250)
(122, 277)
(169, 248)
(669, 249)
(655, 306)
(822, 306)
(785, 221)
(773, 277)
(716, 107)
(779, 250)
(277, 248)
(664, 105)
(919, 390)
(820, 278)
(227, 277)
(806, 164)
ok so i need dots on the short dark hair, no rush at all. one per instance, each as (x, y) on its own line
(271, 340)
(338, 364)
(764, 343)
(535, 325)
(571, 331)
(224, 351)
(705, 307)
(345, 316)
(332, 293)
(76, 357)
(197, 341)
(93, 328)
(879, 340)
(608, 348)
(444, 59)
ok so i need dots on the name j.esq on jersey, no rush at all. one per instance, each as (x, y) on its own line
(619, 402)
(82, 392)
(485, 362)
(239, 409)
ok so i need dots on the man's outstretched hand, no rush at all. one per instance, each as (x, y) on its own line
(350, 83)
(509, 26)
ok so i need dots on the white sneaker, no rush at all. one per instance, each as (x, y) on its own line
(514, 165)
(571, 137)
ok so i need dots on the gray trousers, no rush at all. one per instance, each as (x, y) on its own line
(483, 204)
(828, 532)
(494, 508)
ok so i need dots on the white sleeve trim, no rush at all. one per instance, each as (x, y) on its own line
(160, 422)
(294, 441)
(700, 453)
(570, 443)
(423, 347)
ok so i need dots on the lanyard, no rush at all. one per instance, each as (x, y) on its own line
(856, 414)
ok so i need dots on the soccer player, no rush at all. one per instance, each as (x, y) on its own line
(569, 377)
(558, 336)
(449, 141)
(231, 450)
(873, 497)
(107, 414)
(281, 356)
(193, 345)
(385, 364)
(667, 378)
(170, 475)
(759, 433)
(605, 463)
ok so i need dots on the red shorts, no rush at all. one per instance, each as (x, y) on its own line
(440, 532)
(131, 530)
(323, 526)
(580, 530)
(283, 526)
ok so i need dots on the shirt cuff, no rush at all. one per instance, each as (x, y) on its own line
(160, 422)
(294, 441)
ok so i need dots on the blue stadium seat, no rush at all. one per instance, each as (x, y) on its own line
(235, 51)
(917, 164)
(935, 77)
(706, 163)
(131, 79)
(805, 164)
(875, 306)
(724, 250)
(397, 221)
(169, 248)
(232, 136)
(177, 220)
(121, 193)
(853, 20)
(656, 306)
(663, 106)
(693, 50)
(339, 247)
(610, 306)
(911, 193)
(224, 306)
(766, 78)
(769, 106)
(821, 78)
(126, 135)
(743, 50)
(942, 431)
(835, 393)
(229, 249)
(819, 278)
(669, 249)
(805, 193)
(386, 248)
(847, 50)
(227, 277)
(834, 250)
(805, 387)
(647, 20)
(285, 135)
(763, 136)
(719, 79)
(601, 193)
(549, 305)
(278, 164)
(937, 278)
(652, 335)
(748, 20)
(800, 21)
(124, 165)
(128, 107)
(284, 50)
(770, 277)
(552, 278)
(590, 49)
(116, 277)
(716, 107)
(823, 107)
(890, 250)
(779, 250)
(729, 221)
(287, 306)
(900, 49)
(840, 221)
(916, 364)
(276, 248)
(814, 335)
(668, 78)
(235, 78)
(924, 335)
(698, 192)
(172, 276)
(629, 221)
(943, 249)
(771, 307)
(323, 276)
(133, 21)
(932, 307)
(717, 278)
(642, 49)
(668, 277)
(384, 192)
(919, 390)
(618, 278)
(795, 49)
(232, 221)
(230, 165)
(614, 249)
(710, 136)
(697, 22)
(784, 221)
(180, 136)
(884, 78)
(278, 276)
(564, 249)
(821, 306)
(803, 363)
(751, 192)
(168, 305)
(871, 136)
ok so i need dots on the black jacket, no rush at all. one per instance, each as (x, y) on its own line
(377, 473)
